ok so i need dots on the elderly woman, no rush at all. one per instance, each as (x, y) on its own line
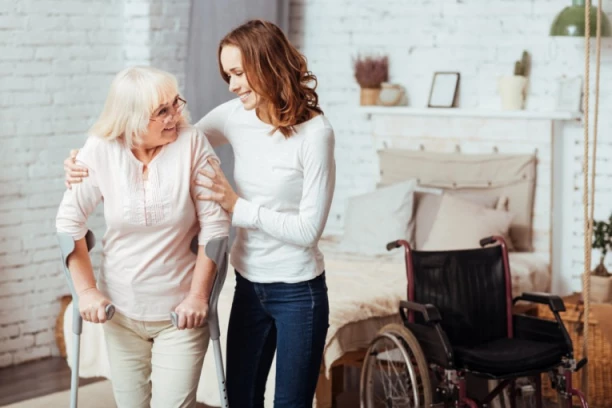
(142, 157)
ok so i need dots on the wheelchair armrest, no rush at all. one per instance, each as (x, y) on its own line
(553, 301)
(430, 335)
(430, 312)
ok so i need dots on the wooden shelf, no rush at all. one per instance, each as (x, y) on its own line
(467, 113)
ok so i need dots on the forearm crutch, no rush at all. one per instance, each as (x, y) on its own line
(66, 243)
(216, 250)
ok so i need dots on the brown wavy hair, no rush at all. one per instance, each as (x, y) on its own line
(277, 72)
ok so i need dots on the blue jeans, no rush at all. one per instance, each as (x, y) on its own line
(289, 318)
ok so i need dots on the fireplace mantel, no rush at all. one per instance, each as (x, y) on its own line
(469, 113)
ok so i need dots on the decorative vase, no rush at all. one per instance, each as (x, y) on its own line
(512, 91)
(369, 96)
(601, 289)
(392, 95)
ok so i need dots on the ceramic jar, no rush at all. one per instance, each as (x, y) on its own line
(391, 95)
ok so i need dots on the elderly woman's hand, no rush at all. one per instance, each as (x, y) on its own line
(220, 189)
(192, 312)
(74, 173)
(92, 305)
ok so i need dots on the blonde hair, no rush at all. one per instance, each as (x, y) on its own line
(135, 93)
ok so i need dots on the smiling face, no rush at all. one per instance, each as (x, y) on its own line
(231, 62)
(163, 125)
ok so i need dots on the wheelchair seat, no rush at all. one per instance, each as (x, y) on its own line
(508, 357)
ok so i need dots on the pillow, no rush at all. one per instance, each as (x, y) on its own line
(461, 224)
(423, 209)
(513, 175)
(428, 204)
(374, 219)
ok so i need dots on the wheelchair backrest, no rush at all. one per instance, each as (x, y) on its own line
(469, 289)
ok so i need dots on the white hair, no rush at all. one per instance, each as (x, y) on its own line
(135, 93)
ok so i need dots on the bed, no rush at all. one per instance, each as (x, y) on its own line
(366, 284)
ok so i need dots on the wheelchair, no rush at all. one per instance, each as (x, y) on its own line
(458, 321)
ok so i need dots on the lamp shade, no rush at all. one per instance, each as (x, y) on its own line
(570, 22)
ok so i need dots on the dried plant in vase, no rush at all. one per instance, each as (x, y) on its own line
(370, 73)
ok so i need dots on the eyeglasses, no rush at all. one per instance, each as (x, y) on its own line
(166, 113)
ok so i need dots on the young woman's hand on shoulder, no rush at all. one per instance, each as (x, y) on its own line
(221, 190)
(74, 173)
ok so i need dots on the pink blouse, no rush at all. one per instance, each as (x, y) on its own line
(147, 264)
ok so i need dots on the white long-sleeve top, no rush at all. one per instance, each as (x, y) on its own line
(286, 186)
(147, 265)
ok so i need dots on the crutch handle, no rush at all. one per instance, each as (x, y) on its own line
(174, 318)
(110, 311)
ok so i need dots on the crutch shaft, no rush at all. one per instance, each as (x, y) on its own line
(220, 373)
(74, 379)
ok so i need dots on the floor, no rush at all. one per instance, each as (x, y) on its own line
(42, 377)
(38, 378)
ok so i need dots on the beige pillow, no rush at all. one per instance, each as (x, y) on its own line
(461, 224)
(427, 206)
(376, 218)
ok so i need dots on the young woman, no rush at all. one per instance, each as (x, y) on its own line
(285, 179)
(141, 158)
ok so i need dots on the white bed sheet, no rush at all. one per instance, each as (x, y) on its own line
(364, 293)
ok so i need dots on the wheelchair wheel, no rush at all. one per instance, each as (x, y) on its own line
(394, 372)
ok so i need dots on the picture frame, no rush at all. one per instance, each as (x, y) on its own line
(569, 94)
(443, 92)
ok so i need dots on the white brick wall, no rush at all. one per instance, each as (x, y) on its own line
(169, 31)
(155, 33)
(57, 59)
(481, 39)
(136, 32)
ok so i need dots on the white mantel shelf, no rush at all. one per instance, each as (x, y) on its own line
(468, 113)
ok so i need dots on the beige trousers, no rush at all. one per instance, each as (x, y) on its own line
(153, 364)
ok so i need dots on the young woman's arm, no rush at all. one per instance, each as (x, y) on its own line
(74, 210)
(304, 228)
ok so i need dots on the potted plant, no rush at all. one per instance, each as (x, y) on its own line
(602, 239)
(370, 73)
(601, 281)
(512, 88)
